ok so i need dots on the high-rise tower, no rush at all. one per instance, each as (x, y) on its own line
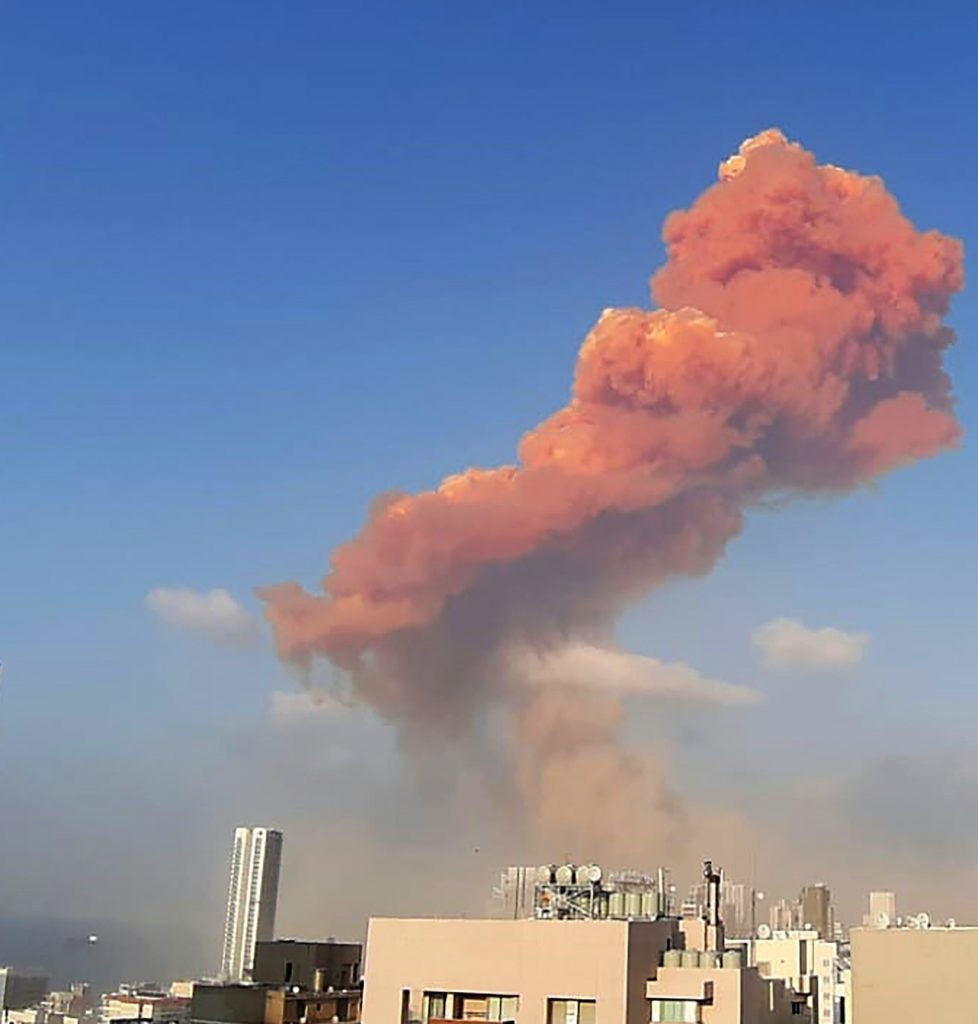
(252, 898)
(816, 909)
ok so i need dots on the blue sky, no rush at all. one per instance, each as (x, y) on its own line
(260, 262)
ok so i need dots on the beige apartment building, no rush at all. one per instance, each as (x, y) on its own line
(914, 976)
(565, 972)
(808, 965)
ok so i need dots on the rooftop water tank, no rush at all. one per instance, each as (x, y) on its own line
(648, 903)
(733, 958)
(672, 958)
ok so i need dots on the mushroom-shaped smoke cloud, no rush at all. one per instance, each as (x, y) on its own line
(797, 348)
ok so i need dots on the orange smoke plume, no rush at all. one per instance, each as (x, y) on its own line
(798, 347)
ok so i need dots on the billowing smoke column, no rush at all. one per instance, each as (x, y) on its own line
(797, 348)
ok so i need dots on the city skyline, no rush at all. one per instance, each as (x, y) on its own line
(692, 965)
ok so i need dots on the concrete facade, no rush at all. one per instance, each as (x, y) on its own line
(604, 963)
(564, 972)
(138, 1005)
(816, 909)
(256, 859)
(721, 995)
(882, 910)
(809, 965)
(262, 1004)
(912, 976)
(240, 1004)
(315, 966)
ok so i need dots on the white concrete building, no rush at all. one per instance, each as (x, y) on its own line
(882, 910)
(807, 964)
(252, 898)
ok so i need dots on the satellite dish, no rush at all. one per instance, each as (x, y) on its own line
(763, 931)
(882, 920)
(588, 874)
(564, 875)
(950, 923)
(923, 920)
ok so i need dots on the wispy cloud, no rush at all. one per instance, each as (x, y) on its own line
(789, 644)
(215, 614)
(585, 666)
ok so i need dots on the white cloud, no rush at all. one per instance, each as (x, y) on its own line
(788, 644)
(215, 613)
(585, 666)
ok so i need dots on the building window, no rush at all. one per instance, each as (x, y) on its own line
(686, 1011)
(570, 1011)
(289, 966)
(435, 1006)
(796, 1009)
(501, 1008)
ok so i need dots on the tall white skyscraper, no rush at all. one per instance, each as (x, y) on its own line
(252, 898)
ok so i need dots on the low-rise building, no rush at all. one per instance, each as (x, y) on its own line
(77, 1001)
(132, 1003)
(310, 966)
(294, 982)
(239, 1003)
(32, 1015)
(228, 1003)
(913, 975)
(714, 988)
(565, 972)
